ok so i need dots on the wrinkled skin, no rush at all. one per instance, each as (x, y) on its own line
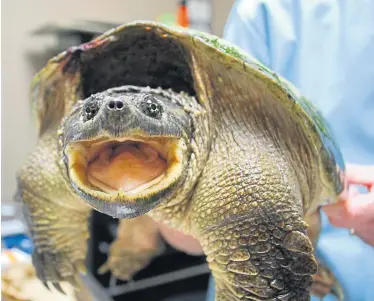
(220, 149)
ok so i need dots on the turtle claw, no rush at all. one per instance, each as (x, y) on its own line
(58, 287)
(51, 270)
(45, 283)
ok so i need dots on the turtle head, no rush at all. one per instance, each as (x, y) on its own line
(130, 142)
(127, 148)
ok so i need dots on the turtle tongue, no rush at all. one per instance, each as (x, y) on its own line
(125, 167)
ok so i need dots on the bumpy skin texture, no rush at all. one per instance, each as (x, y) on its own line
(258, 160)
(57, 219)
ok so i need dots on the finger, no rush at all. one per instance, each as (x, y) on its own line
(366, 233)
(361, 208)
(360, 174)
(352, 213)
(337, 214)
(357, 214)
(351, 192)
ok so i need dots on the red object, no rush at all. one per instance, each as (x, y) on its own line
(182, 16)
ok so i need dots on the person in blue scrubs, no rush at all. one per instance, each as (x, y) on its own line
(326, 49)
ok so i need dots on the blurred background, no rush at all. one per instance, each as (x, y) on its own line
(33, 31)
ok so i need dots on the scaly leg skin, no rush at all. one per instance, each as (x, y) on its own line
(57, 219)
(252, 228)
(255, 259)
(60, 237)
(138, 241)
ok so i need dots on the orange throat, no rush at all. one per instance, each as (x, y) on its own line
(125, 167)
(130, 167)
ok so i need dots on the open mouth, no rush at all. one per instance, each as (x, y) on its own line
(131, 167)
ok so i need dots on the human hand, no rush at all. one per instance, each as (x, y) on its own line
(356, 210)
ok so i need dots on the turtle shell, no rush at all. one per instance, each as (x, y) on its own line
(223, 78)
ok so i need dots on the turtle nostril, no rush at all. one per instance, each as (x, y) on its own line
(111, 105)
(119, 105)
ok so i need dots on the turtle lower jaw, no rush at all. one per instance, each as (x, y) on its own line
(123, 172)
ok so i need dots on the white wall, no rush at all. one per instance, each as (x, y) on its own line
(19, 62)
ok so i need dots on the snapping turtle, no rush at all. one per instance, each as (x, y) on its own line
(155, 123)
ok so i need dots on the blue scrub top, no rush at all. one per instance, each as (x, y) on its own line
(326, 49)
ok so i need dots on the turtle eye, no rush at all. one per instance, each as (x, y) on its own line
(90, 109)
(151, 107)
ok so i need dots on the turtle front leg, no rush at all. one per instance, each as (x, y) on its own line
(59, 234)
(138, 241)
(252, 229)
(253, 258)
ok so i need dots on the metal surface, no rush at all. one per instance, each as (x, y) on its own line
(96, 291)
(158, 280)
